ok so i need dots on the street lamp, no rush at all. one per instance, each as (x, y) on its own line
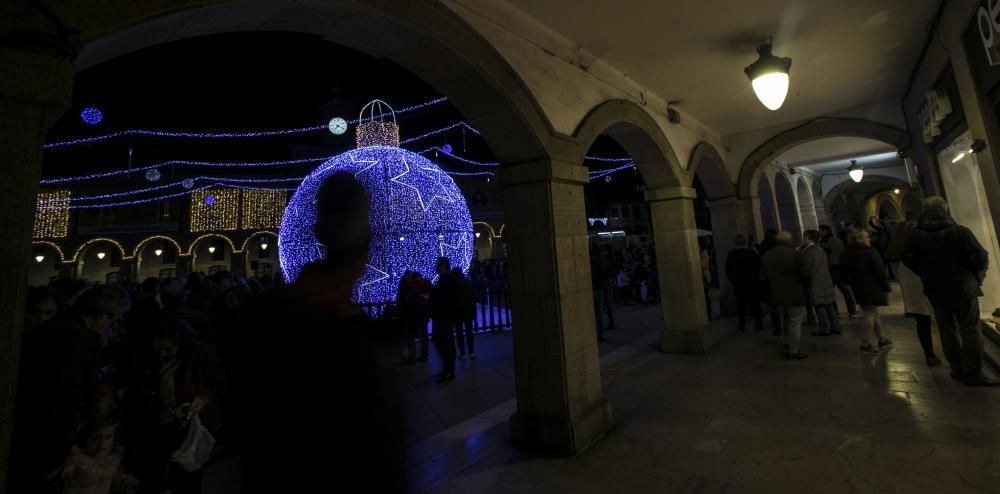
(855, 171)
(769, 76)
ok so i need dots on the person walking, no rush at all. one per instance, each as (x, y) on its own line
(819, 284)
(915, 303)
(743, 271)
(952, 264)
(865, 272)
(465, 314)
(834, 248)
(444, 299)
(783, 271)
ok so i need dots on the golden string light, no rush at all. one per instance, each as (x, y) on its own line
(52, 214)
(215, 210)
(262, 209)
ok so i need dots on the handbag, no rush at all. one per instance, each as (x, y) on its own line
(193, 453)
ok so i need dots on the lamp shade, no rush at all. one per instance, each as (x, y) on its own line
(769, 77)
(855, 171)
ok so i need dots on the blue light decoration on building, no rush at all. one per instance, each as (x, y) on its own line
(91, 116)
(187, 183)
(152, 175)
(209, 200)
(417, 212)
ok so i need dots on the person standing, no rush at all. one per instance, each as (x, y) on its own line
(834, 248)
(444, 299)
(915, 303)
(465, 314)
(743, 271)
(865, 272)
(819, 284)
(706, 272)
(772, 309)
(783, 271)
(952, 264)
(417, 313)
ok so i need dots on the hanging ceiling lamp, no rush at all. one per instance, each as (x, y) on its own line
(769, 76)
(855, 171)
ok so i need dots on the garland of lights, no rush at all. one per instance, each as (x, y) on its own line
(262, 209)
(418, 215)
(215, 210)
(52, 214)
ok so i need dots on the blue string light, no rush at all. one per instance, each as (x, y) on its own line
(215, 135)
(418, 215)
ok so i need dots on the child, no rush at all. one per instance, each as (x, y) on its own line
(96, 467)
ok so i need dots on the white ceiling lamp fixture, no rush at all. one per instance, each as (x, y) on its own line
(855, 171)
(895, 191)
(958, 157)
(478, 234)
(211, 249)
(100, 255)
(158, 252)
(769, 76)
(39, 258)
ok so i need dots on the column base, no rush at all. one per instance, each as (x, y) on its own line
(561, 437)
(698, 341)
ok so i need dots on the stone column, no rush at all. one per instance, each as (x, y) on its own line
(238, 264)
(679, 266)
(725, 227)
(34, 90)
(68, 269)
(128, 269)
(561, 407)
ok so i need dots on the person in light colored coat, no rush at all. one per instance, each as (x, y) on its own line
(819, 284)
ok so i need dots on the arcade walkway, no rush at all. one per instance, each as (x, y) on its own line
(744, 419)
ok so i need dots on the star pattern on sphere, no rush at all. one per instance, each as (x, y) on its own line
(423, 205)
(440, 176)
(382, 275)
(370, 163)
(459, 247)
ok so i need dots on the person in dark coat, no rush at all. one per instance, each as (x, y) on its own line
(444, 302)
(417, 311)
(772, 309)
(783, 271)
(743, 272)
(56, 383)
(951, 264)
(864, 270)
(819, 284)
(328, 407)
(465, 315)
(834, 248)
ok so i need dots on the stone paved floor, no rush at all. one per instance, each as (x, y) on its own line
(744, 419)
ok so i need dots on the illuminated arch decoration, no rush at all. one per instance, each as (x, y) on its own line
(417, 212)
(254, 235)
(195, 242)
(85, 245)
(493, 233)
(62, 257)
(156, 237)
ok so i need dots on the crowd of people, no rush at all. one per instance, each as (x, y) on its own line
(627, 276)
(939, 264)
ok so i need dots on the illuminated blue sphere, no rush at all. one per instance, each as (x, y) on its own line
(446, 148)
(91, 115)
(209, 200)
(417, 215)
(152, 174)
(187, 183)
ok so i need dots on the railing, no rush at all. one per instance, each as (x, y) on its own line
(492, 309)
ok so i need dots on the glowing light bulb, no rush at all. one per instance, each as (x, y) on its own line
(895, 191)
(39, 258)
(771, 89)
(211, 250)
(100, 255)
(158, 252)
(263, 246)
(855, 171)
(958, 158)
(478, 234)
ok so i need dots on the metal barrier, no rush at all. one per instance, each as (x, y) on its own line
(492, 309)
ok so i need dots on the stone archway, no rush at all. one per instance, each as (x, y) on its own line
(767, 213)
(752, 168)
(671, 206)
(788, 210)
(560, 402)
(807, 208)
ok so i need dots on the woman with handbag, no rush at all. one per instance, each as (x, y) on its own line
(176, 386)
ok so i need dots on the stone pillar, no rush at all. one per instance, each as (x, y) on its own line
(68, 269)
(725, 227)
(128, 270)
(34, 90)
(678, 261)
(184, 264)
(561, 407)
(238, 264)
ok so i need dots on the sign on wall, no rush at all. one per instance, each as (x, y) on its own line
(936, 107)
(989, 29)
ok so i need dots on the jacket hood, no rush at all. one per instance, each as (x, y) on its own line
(934, 220)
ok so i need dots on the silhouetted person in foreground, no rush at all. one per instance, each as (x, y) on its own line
(784, 272)
(444, 303)
(465, 314)
(743, 271)
(54, 397)
(327, 411)
(952, 264)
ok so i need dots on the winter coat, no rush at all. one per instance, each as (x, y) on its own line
(781, 267)
(817, 273)
(444, 298)
(466, 299)
(946, 256)
(743, 268)
(834, 248)
(862, 268)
